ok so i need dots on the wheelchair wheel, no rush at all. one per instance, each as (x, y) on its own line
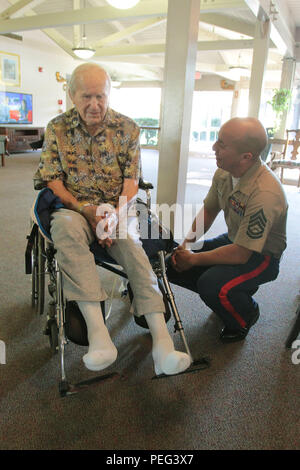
(53, 335)
(41, 274)
(75, 326)
(34, 273)
(38, 262)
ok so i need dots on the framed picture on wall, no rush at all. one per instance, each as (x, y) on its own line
(10, 69)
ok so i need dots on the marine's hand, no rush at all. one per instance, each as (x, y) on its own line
(182, 259)
(106, 243)
(173, 257)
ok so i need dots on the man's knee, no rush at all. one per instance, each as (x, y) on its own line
(207, 288)
(65, 218)
(68, 224)
(130, 249)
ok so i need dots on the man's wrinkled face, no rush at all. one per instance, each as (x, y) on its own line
(91, 97)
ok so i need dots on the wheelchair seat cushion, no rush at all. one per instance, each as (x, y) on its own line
(45, 203)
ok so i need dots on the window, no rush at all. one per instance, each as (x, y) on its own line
(215, 122)
(212, 136)
(195, 136)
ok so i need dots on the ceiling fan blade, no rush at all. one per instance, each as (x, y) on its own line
(13, 36)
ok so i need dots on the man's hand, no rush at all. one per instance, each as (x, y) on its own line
(182, 259)
(89, 212)
(106, 243)
(70, 202)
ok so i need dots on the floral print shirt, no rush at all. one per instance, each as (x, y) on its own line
(92, 167)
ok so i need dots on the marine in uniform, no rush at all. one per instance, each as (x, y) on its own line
(228, 269)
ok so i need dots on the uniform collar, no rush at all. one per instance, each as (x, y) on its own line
(245, 184)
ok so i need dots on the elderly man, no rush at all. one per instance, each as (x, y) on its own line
(228, 269)
(91, 156)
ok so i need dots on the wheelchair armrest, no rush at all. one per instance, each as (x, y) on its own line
(145, 185)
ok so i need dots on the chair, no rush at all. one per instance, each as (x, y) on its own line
(267, 150)
(3, 144)
(288, 158)
(64, 320)
(295, 330)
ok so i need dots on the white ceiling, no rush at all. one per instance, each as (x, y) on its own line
(137, 51)
(294, 7)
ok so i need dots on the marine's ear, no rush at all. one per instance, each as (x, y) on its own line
(247, 156)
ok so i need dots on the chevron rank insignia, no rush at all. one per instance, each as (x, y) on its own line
(257, 223)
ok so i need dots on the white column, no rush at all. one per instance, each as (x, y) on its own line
(259, 62)
(235, 99)
(177, 97)
(287, 79)
(296, 113)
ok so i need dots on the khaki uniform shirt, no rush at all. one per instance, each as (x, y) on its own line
(92, 167)
(255, 210)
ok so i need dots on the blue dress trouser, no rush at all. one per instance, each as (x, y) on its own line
(228, 289)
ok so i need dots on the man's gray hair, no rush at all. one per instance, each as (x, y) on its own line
(73, 83)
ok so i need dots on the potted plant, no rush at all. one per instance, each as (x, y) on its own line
(280, 102)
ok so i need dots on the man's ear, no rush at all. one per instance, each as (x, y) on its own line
(247, 156)
(70, 96)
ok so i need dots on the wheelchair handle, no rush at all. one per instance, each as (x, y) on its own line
(145, 184)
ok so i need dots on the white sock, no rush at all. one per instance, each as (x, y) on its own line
(102, 351)
(166, 359)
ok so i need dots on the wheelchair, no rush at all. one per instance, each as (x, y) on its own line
(65, 322)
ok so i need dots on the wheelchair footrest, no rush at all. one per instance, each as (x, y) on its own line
(196, 365)
(66, 388)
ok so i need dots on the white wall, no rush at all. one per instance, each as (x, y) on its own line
(37, 50)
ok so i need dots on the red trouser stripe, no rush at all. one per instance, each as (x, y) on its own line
(223, 295)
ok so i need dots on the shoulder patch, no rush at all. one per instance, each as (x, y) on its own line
(257, 224)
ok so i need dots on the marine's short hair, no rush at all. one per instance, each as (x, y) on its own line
(253, 139)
